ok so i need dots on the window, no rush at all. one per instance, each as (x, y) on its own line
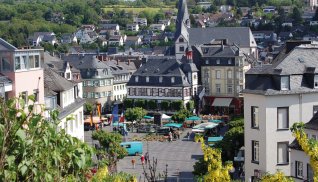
(229, 74)
(282, 118)
(34, 61)
(5, 66)
(218, 61)
(229, 61)
(71, 125)
(218, 74)
(147, 79)
(206, 61)
(282, 153)
(76, 121)
(255, 117)
(172, 79)
(229, 89)
(136, 78)
(181, 49)
(84, 95)
(160, 79)
(181, 40)
(89, 83)
(316, 81)
(218, 88)
(284, 83)
(17, 63)
(102, 82)
(255, 151)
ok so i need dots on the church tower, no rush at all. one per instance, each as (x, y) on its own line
(182, 25)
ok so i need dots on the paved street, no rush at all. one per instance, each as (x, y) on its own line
(180, 156)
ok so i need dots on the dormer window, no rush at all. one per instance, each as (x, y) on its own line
(147, 79)
(136, 78)
(172, 79)
(284, 83)
(229, 61)
(206, 61)
(181, 40)
(160, 79)
(316, 81)
(218, 61)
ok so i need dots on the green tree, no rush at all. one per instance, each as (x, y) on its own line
(33, 149)
(233, 139)
(190, 105)
(181, 115)
(140, 103)
(177, 105)
(152, 105)
(135, 113)
(110, 151)
(296, 15)
(128, 103)
(165, 105)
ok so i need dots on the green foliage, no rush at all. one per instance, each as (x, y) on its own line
(33, 149)
(135, 113)
(140, 103)
(165, 105)
(110, 150)
(200, 167)
(296, 15)
(152, 105)
(181, 115)
(233, 139)
(128, 103)
(190, 105)
(177, 105)
(121, 176)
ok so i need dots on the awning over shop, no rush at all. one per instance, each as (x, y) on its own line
(222, 102)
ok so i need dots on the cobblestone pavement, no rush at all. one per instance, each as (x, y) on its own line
(179, 155)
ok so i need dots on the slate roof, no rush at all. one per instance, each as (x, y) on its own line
(53, 81)
(155, 67)
(117, 69)
(5, 46)
(64, 112)
(294, 64)
(217, 50)
(238, 35)
(57, 64)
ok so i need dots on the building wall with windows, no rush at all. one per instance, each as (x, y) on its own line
(24, 67)
(74, 126)
(275, 97)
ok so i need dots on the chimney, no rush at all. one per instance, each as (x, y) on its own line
(128, 61)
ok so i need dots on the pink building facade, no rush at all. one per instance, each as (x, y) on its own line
(24, 68)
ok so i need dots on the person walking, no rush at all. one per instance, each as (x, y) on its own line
(146, 158)
(142, 158)
(188, 135)
(133, 162)
(170, 136)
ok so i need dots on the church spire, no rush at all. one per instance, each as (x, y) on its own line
(183, 19)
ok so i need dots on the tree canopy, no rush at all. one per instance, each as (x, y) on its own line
(34, 149)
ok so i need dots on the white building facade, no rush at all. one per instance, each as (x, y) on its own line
(275, 97)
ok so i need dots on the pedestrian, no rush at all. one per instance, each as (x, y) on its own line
(188, 135)
(133, 162)
(142, 158)
(146, 158)
(178, 134)
(170, 136)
